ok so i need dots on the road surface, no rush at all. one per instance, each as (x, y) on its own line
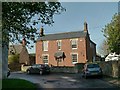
(63, 81)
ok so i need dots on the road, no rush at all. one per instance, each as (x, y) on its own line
(63, 81)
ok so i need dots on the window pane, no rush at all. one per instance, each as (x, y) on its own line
(45, 45)
(59, 44)
(74, 57)
(45, 59)
(74, 43)
(74, 46)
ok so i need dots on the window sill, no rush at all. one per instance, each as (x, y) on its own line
(74, 48)
(74, 62)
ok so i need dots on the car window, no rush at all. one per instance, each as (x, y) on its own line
(38, 65)
(33, 66)
(93, 66)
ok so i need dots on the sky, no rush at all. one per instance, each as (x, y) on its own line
(96, 14)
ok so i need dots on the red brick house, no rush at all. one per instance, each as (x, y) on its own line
(21, 50)
(65, 49)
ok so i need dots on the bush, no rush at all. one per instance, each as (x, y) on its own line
(13, 59)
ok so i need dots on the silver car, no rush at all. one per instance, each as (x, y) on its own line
(92, 69)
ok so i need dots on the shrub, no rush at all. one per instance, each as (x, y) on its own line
(13, 59)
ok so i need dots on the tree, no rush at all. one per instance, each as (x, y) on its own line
(103, 49)
(112, 34)
(19, 20)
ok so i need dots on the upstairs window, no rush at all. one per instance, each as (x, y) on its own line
(59, 44)
(74, 43)
(45, 45)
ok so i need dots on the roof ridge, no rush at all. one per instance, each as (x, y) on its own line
(64, 32)
(16, 45)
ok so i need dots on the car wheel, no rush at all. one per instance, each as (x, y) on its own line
(28, 71)
(85, 76)
(41, 72)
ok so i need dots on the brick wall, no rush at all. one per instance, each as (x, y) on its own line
(83, 51)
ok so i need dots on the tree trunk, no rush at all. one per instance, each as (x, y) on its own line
(4, 60)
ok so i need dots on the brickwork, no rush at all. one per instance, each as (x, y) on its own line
(83, 50)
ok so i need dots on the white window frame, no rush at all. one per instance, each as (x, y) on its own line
(46, 59)
(45, 45)
(72, 42)
(72, 57)
(59, 44)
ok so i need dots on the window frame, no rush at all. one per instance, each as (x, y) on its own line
(46, 59)
(59, 44)
(45, 45)
(76, 58)
(74, 42)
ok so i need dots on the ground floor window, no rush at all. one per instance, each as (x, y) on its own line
(74, 58)
(45, 59)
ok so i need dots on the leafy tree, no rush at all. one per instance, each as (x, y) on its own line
(112, 34)
(19, 20)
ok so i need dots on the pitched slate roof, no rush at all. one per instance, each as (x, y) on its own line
(66, 35)
(15, 49)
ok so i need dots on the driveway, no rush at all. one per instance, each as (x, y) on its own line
(63, 80)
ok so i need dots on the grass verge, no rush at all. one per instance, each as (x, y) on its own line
(17, 84)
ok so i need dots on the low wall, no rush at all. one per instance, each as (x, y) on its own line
(14, 67)
(67, 69)
(111, 68)
(63, 69)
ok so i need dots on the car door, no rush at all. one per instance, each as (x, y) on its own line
(38, 68)
(33, 69)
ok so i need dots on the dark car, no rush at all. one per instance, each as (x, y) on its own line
(38, 68)
(92, 69)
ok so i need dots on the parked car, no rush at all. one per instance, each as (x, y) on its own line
(38, 68)
(8, 72)
(92, 69)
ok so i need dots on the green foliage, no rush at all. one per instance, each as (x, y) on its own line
(112, 34)
(13, 59)
(19, 18)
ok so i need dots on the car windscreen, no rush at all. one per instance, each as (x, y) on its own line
(93, 66)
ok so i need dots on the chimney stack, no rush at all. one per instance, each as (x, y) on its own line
(24, 42)
(85, 27)
(41, 31)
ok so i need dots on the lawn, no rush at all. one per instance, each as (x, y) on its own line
(17, 84)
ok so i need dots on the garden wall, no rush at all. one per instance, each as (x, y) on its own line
(111, 68)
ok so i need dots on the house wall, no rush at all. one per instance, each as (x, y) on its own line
(83, 51)
(90, 50)
(24, 56)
